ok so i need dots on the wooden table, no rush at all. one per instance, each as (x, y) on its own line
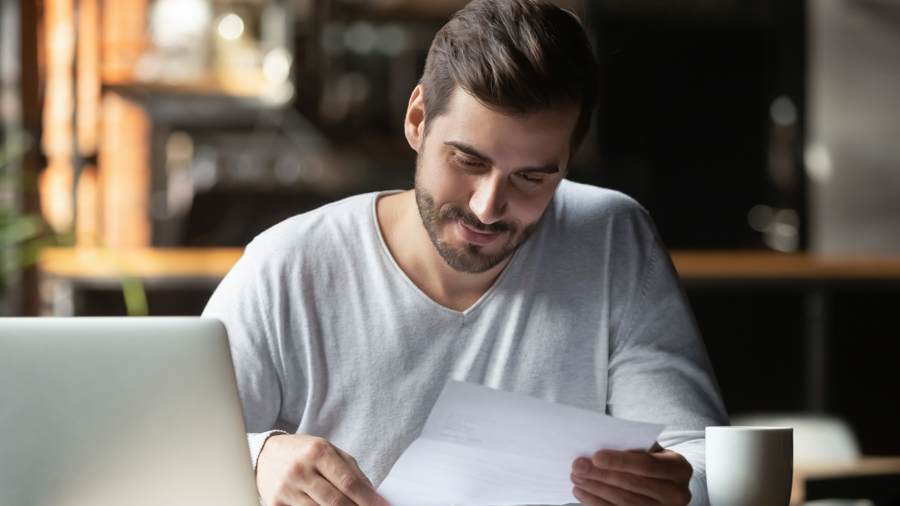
(700, 268)
(62, 271)
(875, 478)
(694, 267)
(175, 264)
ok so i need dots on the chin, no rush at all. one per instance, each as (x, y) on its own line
(472, 258)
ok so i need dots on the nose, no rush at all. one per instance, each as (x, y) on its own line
(488, 202)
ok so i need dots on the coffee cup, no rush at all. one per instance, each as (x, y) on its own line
(749, 466)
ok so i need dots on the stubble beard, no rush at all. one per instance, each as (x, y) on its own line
(468, 259)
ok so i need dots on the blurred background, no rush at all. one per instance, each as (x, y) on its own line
(144, 142)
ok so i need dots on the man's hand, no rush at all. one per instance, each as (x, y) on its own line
(300, 470)
(658, 477)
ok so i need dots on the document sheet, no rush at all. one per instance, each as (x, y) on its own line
(482, 446)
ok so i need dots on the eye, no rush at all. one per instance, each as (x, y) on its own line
(466, 163)
(531, 179)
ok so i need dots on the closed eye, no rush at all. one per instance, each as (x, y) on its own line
(531, 179)
(468, 163)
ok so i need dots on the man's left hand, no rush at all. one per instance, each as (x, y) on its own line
(636, 478)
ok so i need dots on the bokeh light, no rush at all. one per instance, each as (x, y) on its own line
(230, 26)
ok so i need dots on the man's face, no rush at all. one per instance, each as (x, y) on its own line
(484, 179)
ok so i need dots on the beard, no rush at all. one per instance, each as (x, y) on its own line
(470, 258)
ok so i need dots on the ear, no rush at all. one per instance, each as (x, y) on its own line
(414, 124)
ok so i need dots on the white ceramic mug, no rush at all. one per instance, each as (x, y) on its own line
(749, 466)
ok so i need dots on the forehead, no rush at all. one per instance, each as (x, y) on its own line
(518, 140)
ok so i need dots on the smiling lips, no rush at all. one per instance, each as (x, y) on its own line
(473, 236)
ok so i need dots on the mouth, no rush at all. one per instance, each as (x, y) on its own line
(472, 236)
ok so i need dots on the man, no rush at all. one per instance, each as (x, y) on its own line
(347, 321)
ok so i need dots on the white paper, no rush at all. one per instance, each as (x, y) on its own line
(482, 446)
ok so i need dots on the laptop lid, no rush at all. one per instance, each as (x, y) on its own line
(113, 411)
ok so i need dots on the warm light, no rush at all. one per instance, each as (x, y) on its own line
(179, 23)
(818, 163)
(179, 147)
(231, 26)
(277, 65)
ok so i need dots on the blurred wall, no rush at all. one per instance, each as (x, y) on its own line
(853, 151)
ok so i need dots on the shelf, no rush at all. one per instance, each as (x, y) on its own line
(692, 266)
(765, 266)
(83, 264)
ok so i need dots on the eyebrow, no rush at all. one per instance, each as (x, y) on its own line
(469, 150)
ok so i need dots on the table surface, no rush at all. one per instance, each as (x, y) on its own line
(863, 466)
(692, 266)
(766, 265)
(89, 263)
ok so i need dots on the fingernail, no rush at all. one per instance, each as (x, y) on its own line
(578, 493)
(581, 466)
(600, 459)
(579, 480)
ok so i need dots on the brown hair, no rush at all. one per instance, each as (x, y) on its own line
(515, 56)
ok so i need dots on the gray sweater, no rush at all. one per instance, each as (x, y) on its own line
(330, 338)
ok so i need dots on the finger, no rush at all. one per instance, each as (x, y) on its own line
(588, 499)
(615, 495)
(352, 463)
(640, 463)
(324, 493)
(297, 498)
(348, 478)
(660, 490)
(290, 492)
(304, 500)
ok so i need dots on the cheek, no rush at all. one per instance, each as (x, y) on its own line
(444, 183)
(527, 209)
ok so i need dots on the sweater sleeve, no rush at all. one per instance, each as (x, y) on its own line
(658, 367)
(241, 303)
(256, 443)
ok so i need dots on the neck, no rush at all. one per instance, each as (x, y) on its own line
(409, 244)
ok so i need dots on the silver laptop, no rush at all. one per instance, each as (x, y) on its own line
(120, 411)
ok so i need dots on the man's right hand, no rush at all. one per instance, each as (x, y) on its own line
(300, 470)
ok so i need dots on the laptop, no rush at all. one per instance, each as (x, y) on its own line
(120, 411)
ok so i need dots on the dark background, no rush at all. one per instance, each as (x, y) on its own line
(683, 126)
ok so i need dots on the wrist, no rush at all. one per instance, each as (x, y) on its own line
(258, 443)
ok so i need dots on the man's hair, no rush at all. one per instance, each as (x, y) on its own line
(515, 56)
